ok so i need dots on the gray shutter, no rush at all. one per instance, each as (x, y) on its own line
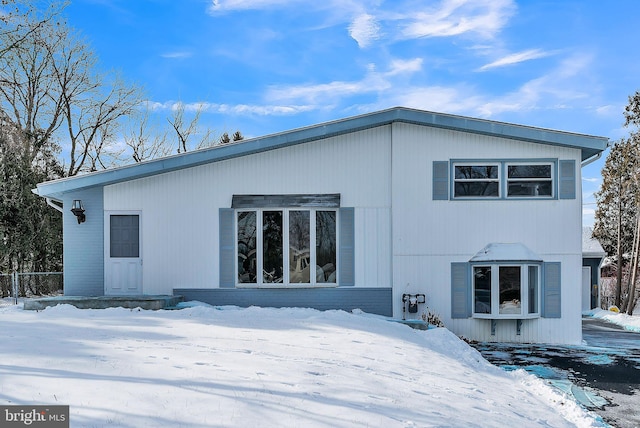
(460, 290)
(551, 290)
(346, 274)
(227, 248)
(567, 179)
(440, 180)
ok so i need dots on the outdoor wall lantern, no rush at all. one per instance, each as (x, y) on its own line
(78, 210)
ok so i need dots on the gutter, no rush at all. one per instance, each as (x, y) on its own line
(55, 205)
(591, 159)
(594, 157)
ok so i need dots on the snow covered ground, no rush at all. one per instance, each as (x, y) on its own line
(631, 323)
(203, 366)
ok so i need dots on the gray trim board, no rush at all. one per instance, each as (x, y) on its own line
(461, 305)
(440, 183)
(567, 179)
(371, 300)
(227, 247)
(551, 290)
(285, 201)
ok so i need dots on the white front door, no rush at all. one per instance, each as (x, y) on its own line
(123, 258)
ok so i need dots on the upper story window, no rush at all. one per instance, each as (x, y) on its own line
(476, 180)
(529, 180)
(504, 180)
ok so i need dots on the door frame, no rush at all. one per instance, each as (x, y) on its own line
(107, 246)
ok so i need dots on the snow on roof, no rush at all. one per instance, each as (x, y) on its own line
(590, 245)
(515, 252)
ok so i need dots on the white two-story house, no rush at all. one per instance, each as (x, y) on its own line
(482, 217)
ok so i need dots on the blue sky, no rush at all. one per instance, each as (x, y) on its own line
(264, 66)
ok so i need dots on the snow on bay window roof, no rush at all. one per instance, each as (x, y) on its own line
(503, 252)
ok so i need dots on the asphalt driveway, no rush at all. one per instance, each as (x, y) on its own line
(603, 374)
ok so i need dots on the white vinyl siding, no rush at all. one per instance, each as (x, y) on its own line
(183, 209)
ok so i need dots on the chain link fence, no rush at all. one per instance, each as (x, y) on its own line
(30, 284)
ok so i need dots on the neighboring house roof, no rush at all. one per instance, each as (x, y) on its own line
(589, 145)
(498, 252)
(590, 245)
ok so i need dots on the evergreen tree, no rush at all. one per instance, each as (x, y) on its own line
(30, 231)
(617, 219)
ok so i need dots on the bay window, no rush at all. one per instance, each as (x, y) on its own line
(506, 290)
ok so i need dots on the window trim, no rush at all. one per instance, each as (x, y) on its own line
(503, 178)
(495, 290)
(285, 247)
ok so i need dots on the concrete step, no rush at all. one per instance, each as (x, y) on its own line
(102, 302)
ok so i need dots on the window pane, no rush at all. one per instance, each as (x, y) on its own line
(533, 289)
(529, 171)
(509, 284)
(299, 246)
(473, 172)
(482, 290)
(476, 188)
(247, 263)
(272, 246)
(326, 246)
(529, 188)
(124, 236)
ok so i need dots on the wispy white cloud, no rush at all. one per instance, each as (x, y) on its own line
(564, 87)
(246, 109)
(367, 21)
(219, 6)
(364, 29)
(557, 89)
(177, 54)
(400, 66)
(459, 99)
(455, 17)
(321, 93)
(373, 82)
(516, 58)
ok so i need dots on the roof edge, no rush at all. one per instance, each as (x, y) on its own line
(588, 144)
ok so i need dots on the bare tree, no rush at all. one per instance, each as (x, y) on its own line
(143, 144)
(185, 129)
(49, 83)
(13, 22)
